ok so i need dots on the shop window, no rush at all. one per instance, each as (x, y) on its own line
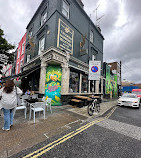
(74, 82)
(100, 86)
(84, 85)
(91, 86)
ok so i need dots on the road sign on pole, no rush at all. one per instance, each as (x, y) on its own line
(94, 70)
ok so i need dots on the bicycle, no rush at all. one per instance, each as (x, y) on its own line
(94, 106)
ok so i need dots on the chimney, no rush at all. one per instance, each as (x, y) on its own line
(80, 3)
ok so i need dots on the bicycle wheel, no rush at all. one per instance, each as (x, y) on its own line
(91, 109)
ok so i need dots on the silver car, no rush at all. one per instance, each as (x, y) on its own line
(129, 99)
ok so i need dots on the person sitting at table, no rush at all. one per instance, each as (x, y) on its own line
(27, 92)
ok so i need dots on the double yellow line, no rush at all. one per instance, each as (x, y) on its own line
(48, 147)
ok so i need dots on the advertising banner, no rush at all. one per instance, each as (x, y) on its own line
(53, 84)
(94, 70)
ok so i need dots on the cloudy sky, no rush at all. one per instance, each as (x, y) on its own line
(120, 25)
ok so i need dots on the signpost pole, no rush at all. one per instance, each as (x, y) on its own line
(93, 90)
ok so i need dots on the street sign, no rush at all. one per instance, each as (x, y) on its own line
(94, 70)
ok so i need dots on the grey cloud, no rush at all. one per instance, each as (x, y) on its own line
(133, 8)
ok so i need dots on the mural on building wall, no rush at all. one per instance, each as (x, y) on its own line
(115, 86)
(111, 83)
(53, 84)
(108, 80)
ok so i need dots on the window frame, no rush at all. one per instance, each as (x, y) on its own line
(30, 34)
(28, 58)
(43, 19)
(40, 40)
(19, 50)
(23, 46)
(64, 9)
(91, 36)
(17, 69)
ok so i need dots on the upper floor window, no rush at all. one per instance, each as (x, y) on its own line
(30, 33)
(94, 53)
(41, 45)
(23, 47)
(17, 69)
(65, 8)
(93, 57)
(28, 58)
(21, 65)
(91, 36)
(43, 17)
(19, 53)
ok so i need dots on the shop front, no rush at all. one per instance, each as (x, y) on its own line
(62, 76)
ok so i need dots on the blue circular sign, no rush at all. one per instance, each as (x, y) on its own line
(94, 69)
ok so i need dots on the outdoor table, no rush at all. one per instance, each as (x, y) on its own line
(96, 97)
(86, 99)
(81, 97)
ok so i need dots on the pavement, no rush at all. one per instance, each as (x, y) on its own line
(25, 133)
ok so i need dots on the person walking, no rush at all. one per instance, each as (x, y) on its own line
(8, 102)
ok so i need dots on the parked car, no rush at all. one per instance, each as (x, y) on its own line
(137, 92)
(129, 99)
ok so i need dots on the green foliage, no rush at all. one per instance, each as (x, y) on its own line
(5, 47)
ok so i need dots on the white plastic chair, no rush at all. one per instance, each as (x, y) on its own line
(37, 107)
(47, 103)
(21, 106)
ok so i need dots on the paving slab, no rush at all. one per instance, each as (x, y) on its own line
(25, 133)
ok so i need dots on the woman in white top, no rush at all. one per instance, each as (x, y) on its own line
(8, 102)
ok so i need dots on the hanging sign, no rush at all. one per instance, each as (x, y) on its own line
(94, 70)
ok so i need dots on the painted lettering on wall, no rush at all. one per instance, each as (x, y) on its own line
(65, 37)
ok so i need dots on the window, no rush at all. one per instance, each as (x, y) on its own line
(19, 53)
(93, 57)
(17, 68)
(41, 45)
(84, 84)
(91, 36)
(21, 65)
(94, 53)
(23, 48)
(65, 9)
(30, 33)
(43, 17)
(74, 82)
(28, 58)
(92, 87)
